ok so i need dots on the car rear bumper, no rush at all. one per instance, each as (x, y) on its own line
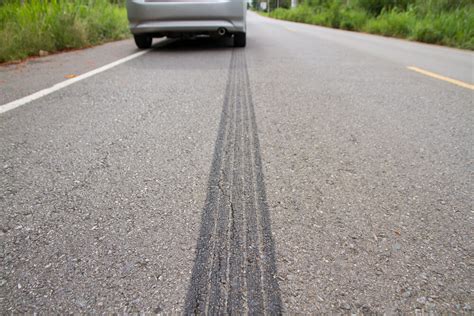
(162, 16)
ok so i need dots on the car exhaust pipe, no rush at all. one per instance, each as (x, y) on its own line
(221, 31)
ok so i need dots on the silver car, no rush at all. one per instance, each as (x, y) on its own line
(187, 18)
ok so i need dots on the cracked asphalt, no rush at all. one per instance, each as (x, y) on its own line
(351, 184)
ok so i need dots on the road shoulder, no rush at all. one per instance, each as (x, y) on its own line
(32, 75)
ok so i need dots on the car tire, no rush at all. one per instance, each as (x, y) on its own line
(143, 41)
(240, 39)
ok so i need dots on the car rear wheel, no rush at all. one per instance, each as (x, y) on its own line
(240, 39)
(143, 41)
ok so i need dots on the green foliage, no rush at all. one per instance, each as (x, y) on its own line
(425, 7)
(53, 25)
(455, 28)
(393, 23)
(445, 22)
(377, 6)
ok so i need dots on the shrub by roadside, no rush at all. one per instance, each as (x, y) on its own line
(53, 25)
(443, 22)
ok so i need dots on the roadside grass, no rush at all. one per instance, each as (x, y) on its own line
(54, 25)
(431, 21)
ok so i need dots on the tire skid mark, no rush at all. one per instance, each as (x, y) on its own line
(235, 269)
(218, 271)
(235, 295)
(272, 299)
(254, 273)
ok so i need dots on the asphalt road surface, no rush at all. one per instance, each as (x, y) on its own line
(312, 171)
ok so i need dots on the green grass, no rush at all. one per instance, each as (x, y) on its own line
(54, 25)
(444, 22)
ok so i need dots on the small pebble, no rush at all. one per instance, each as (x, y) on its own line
(406, 294)
(345, 306)
(421, 300)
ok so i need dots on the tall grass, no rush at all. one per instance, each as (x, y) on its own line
(445, 22)
(52, 25)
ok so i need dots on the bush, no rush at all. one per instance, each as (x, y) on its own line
(353, 20)
(376, 7)
(56, 25)
(426, 7)
(455, 28)
(446, 22)
(393, 23)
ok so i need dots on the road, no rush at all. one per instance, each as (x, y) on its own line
(310, 172)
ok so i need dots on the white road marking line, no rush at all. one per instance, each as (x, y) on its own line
(14, 104)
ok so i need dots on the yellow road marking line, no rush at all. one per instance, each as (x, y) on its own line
(450, 80)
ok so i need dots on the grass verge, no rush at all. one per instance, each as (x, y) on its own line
(451, 26)
(54, 25)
